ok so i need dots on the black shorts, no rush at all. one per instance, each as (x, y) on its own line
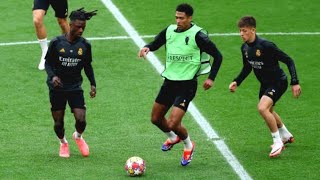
(60, 7)
(59, 99)
(177, 93)
(274, 91)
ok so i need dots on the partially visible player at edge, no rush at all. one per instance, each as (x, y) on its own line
(39, 10)
(185, 42)
(263, 57)
(67, 55)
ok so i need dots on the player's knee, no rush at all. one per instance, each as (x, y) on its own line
(155, 119)
(172, 125)
(58, 124)
(37, 21)
(262, 109)
(80, 119)
(79, 115)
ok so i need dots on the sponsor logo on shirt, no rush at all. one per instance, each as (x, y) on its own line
(69, 62)
(256, 64)
(179, 58)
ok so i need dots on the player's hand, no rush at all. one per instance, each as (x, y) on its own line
(207, 84)
(233, 86)
(143, 52)
(56, 81)
(296, 90)
(93, 92)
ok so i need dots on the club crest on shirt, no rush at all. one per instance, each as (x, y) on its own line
(186, 40)
(80, 51)
(62, 50)
(258, 53)
(246, 54)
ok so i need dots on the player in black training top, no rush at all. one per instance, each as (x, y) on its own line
(263, 57)
(67, 55)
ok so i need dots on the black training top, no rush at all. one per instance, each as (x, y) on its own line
(66, 60)
(263, 57)
(204, 43)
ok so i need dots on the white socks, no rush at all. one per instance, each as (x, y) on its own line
(172, 136)
(44, 48)
(284, 132)
(63, 140)
(187, 143)
(77, 135)
(276, 137)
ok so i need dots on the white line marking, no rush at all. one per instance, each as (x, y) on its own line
(205, 126)
(152, 36)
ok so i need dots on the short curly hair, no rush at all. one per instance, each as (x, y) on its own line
(186, 8)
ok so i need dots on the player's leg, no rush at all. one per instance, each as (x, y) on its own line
(174, 123)
(268, 98)
(158, 116)
(58, 117)
(64, 25)
(280, 89)
(160, 108)
(61, 13)
(285, 134)
(77, 104)
(38, 16)
(58, 103)
(185, 93)
(264, 108)
(39, 10)
(80, 121)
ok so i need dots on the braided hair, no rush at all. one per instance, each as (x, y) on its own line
(81, 14)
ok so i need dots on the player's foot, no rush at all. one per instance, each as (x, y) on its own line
(276, 149)
(166, 146)
(288, 140)
(41, 64)
(64, 150)
(187, 156)
(82, 145)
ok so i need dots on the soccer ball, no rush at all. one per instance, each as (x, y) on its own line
(135, 166)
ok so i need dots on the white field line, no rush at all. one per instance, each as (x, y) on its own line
(205, 126)
(152, 36)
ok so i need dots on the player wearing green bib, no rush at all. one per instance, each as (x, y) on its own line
(185, 44)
